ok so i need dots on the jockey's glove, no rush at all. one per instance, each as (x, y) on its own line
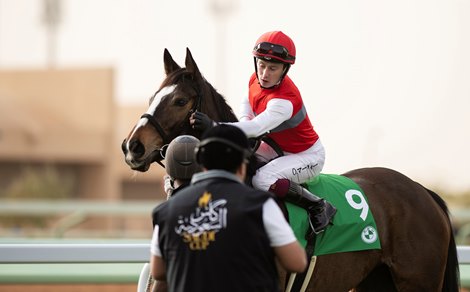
(202, 122)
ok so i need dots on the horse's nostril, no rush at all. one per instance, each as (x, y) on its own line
(137, 148)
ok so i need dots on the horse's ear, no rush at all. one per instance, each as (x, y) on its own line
(170, 64)
(191, 65)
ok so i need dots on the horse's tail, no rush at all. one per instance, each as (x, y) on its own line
(452, 274)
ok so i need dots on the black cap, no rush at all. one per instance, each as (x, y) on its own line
(223, 147)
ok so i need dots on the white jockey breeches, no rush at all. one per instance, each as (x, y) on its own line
(297, 167)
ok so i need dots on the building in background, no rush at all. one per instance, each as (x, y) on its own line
(68, 120)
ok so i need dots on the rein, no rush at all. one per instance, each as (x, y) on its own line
(270, 142)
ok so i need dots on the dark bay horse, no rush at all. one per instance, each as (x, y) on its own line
(418, 248)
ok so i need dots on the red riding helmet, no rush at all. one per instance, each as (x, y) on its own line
(275, 45)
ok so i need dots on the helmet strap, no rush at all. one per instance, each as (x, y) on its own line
(286, 69)
(256, 67)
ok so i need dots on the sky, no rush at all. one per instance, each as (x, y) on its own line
(385, 83)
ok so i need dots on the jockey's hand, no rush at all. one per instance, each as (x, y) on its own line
(201, 122)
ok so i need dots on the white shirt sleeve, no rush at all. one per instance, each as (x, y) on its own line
(154, 247)
(246, 112)
(279, 231)
(277, 111)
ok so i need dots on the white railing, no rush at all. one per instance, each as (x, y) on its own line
(74, 253)
(463, 253)
(69, 214)
(101, 253)
(88, 207)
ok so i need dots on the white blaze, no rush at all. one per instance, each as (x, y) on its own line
(151, 110)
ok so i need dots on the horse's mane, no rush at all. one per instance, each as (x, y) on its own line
(212, 102)
(226, 113)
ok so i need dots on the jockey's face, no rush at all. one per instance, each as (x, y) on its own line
(269, 73)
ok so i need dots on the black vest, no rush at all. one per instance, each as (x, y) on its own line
(212, 238)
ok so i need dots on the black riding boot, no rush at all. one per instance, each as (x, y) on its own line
(320, 211)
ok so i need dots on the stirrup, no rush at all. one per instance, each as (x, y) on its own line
(328, 212)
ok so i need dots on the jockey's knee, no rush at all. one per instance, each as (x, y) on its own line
(261, 182)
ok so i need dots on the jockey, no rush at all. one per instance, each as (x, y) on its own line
(274, 107)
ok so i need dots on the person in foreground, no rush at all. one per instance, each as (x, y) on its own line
(275, 107)
(218, 234)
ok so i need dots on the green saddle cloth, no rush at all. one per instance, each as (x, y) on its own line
(353, 226)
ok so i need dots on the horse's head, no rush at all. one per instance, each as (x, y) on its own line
(183, 91)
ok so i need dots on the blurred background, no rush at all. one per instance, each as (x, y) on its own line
(385, 83)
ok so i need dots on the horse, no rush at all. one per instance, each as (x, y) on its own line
(418, 250)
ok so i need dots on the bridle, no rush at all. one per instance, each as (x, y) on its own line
(165, 138)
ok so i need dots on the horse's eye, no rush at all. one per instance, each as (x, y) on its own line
(181, 102)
